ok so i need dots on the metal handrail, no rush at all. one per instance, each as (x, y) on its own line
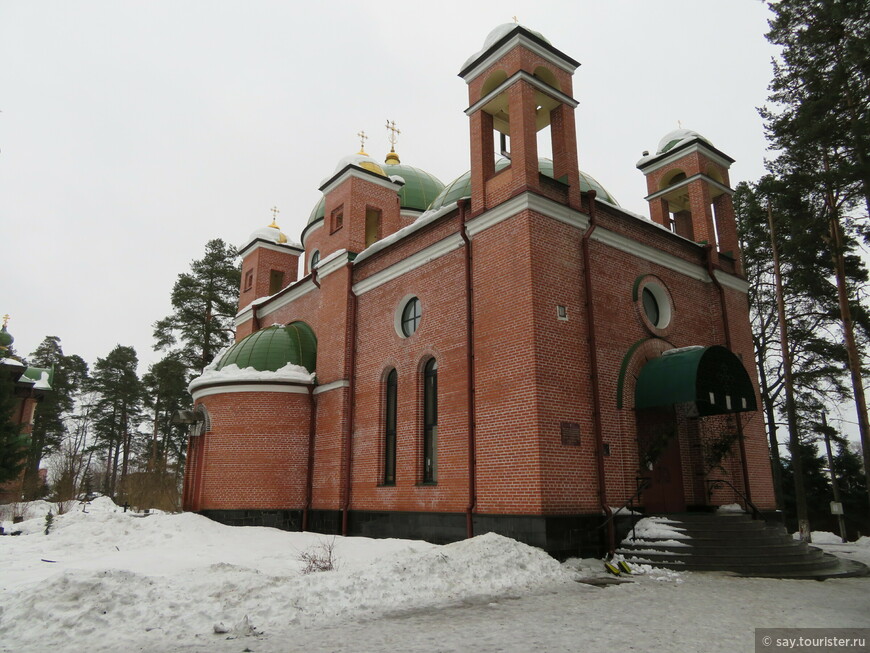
(642, 482)
(716, 483)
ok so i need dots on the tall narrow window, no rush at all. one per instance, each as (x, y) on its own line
(390, 429)
(276, 281)
(430, 420)
(373, 226)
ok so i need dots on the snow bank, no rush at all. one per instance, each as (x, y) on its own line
(821, 537)
(123, 580)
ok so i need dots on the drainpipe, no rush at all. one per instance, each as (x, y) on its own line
(593, 374)
(309, 480)
(469, 347)
(312, 429)
(708, 250)
(351, 371)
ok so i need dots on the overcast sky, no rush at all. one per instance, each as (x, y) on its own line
(133, 132)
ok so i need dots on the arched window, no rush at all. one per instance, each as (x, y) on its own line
(315, 259)
(430, 420)
(390, 429)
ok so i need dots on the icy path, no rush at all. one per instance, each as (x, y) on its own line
(705, 612)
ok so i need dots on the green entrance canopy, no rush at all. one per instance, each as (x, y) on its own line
(711, 378)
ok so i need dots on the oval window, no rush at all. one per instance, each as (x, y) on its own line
(411, 314)
(651, 307)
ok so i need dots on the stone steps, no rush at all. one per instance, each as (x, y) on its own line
(733, 542)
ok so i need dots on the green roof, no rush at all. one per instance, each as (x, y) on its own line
(461, 187)
(318, 211)
(270, 349)
(711, 378)
(420, 187)
(35, 373)
(417, 194)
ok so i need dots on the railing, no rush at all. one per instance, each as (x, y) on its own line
(717, 483)
(642, 483)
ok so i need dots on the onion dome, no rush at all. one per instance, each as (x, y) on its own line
(420, 188)
(6, 339)
(362, 160)
(677, 137)
(272, 233)
(270, 349)
(498, 33)
(461, 187)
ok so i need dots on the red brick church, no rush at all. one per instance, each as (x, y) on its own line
(512, 352)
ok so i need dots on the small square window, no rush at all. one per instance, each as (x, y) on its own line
(337, 220)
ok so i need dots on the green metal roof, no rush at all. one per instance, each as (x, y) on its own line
(417, 194)
(270, 349)
(318, 211)
(712, 378)
(35, 373)
(420, 187)
(461, 187)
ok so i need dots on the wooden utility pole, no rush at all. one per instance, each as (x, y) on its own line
(841, 520)
(793, 439)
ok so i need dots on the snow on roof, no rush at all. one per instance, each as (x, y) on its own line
(290, 373)
(42, 383)
(419, 223)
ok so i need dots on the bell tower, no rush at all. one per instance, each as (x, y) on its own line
(518, 85)
(690, 193)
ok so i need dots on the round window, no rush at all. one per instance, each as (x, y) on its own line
(651, 307)
(411, 314)
(653, 304)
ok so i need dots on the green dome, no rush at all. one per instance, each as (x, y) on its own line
(461, 187)
(270, 349)
(6, 338)
(420, 187)
(318, 211)
(417, 194)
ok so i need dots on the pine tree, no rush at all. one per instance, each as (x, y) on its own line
(49, 423)
(819, 121)
(818, 356)
(204, 303)
(116, 411)
(12, 442)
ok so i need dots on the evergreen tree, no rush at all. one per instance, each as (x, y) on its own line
(818, 356)
(13, 443)
(166, 391)
(49, 423)
(204, 303)
(116, 412)
(819, 121)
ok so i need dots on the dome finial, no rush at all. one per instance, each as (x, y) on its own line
(392, 157)
(362, 142)
(6, 320)
(275, 213)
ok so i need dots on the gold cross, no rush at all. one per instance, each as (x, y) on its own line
(275, 213)
(679, 124)
(516, 20)
(6, 319)
(394, 132)
(362, 141)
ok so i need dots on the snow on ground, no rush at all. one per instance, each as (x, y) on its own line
(106, 580)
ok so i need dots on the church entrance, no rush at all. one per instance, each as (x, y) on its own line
(660, 460)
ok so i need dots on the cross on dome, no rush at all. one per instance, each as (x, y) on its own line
(392, 137)
(362, 141)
